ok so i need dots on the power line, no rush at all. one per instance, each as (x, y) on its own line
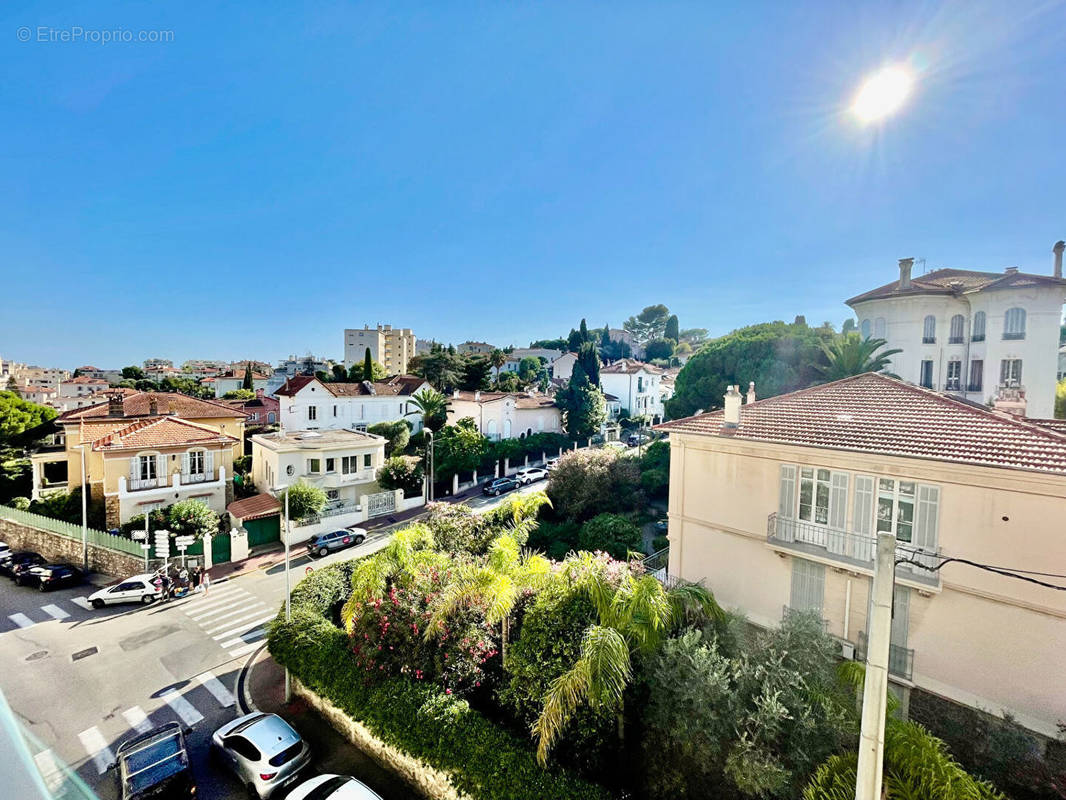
(988, 567)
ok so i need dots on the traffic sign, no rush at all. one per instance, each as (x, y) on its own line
(184, 540)
(139, 535)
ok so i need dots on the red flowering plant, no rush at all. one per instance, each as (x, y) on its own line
(387, 635)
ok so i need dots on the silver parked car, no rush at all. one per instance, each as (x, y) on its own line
(263, 751)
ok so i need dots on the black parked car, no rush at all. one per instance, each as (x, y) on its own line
(155, 765)
(19, 560)
(499, 486)
(49, 576)
(326, 543)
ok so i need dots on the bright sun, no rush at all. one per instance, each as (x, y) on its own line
(882, 94)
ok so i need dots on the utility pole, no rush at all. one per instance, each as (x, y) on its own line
(84, 515)
(429, 463)
(288, 611)
(875, 688)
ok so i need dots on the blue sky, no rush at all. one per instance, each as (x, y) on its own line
(497, 171)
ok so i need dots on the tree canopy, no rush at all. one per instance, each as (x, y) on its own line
(778, 356)
(850, 354)
(18, 415)
(582, 403)
(648, 324)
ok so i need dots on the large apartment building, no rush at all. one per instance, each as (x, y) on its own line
(987, 336)
(390, 347)
(776, 505)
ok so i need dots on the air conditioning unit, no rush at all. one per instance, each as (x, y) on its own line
(847, 650)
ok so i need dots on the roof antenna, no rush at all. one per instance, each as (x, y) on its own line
(923, 267)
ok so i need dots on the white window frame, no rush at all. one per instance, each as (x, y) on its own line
(1014, 324)
(1010, 372)
(978, 332)
(953, 378)
(929, 329)
(895, 491)
(147, 467)
(312, 413)
(957, 332)
(311, 469)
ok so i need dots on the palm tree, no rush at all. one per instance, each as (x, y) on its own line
(917, 764)
(433, 406)
(497, 358)
(631, 619)
(495, 583)
(409, 552)
(850, 355)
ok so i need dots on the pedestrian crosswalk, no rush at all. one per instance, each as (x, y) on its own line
(59, 609)
(190, 704)
(231, 616)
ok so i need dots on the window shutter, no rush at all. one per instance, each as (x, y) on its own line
(808, 585)
(901, 603)
(786, 506)
(161, 467)
(133, 468)
(209, 462)
(862, 519)
(185, 464)
(925, 521)
(838, 512)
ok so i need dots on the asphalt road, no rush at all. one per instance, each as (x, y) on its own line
(82, 681)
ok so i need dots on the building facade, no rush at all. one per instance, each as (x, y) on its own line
(985, 336)
(390, 347)
(636, 385)
(307, 403)
(474, 348)
(776, 505)
(232, 380)
(502, 415)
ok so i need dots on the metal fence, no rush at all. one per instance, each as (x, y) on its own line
(900, 659)
(70, 530)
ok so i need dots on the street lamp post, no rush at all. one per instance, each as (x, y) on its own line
(429, 460)
(288, 610)
(84, 514)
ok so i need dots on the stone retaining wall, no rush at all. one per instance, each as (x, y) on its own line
(430, 783)
(61, 548)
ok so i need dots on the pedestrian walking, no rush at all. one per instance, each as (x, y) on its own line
(197, 578)
(166, 587)
(205, 581)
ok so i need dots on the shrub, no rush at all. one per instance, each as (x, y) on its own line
(242, 465)
(305, 500)
(192, 518)
(21, 503)
(589, 482)
(482, 759)
(457, 529)
(659, 543)
(611, 533)
(555, 538)
(397, 434)
(402, 472)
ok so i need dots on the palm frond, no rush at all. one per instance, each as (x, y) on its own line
(609, 668)
(689, 600)
(565, 695)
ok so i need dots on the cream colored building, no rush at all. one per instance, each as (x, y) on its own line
(501, 415)
(776, 505)
(390, 347)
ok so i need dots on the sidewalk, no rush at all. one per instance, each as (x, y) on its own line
(332, 753)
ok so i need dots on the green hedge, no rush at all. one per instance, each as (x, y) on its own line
(484, 760)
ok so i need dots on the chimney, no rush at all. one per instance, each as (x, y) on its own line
(1011, 271)
(905, 265)
(1057, 250)
(153, 404)
(732, 407)
(114, 405)
(751, 392)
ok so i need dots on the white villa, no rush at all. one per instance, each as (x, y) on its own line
(502, 415)
(309, 404)
(636, 385)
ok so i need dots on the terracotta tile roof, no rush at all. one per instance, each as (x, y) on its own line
(522, 400)
(398, 385)
(159, 432)
(138, 404)
(953, 281)
(86, 379)
(876, 414)
(255, 507)
(1056, 425)
(626, 366)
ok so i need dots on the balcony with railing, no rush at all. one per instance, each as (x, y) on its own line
(137, 484)
(204, 476)
(849, 549)
(900, 659)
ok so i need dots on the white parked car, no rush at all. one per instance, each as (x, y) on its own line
(135, 589)
(332, 787)
(530, 474)
(616, 445)
(5, 550)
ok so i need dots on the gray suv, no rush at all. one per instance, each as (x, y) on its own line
(326, 543)
(263, 751)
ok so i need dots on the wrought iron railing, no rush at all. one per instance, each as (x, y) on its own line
(850, 548)
(900, 659)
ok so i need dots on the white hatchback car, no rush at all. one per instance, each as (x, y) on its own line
(332, 787)
(530, 474)
(135, 589)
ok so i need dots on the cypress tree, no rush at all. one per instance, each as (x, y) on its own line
(368, 366)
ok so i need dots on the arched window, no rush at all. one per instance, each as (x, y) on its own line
(929, 330)
(490, 429)
(507, 429)
(879, 328)
(865, 328)
(978, 334)
(1014, 324)
(958, 325)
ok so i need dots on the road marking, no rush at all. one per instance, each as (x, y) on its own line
(245, 637)
(182, 707)
(218, 613)
(214, 608)
(49, 769)
(96, 747)
(21, 620)
(243, 627)
(245, 649)
(55, 612)
(248, 613)
(82, 602)
(216, 687)
(137, 719)
(205, 600)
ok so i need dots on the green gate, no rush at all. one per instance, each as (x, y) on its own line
(263, 531)
(220, 549)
